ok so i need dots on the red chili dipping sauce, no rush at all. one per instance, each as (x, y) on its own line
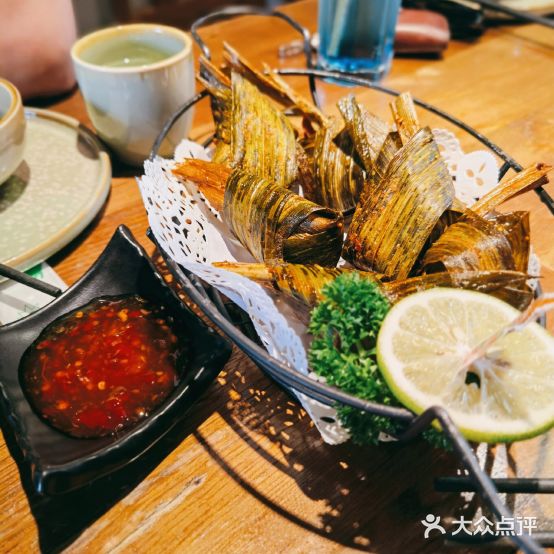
(103, 368)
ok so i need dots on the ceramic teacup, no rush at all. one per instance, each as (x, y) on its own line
(12, 129)
(133, 77)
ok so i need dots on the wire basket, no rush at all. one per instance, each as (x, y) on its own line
(234, 323)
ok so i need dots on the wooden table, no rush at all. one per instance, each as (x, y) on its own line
(248, 472)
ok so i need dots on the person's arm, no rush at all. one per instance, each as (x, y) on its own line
(35, 40)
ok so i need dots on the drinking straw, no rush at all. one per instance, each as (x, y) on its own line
(340, 22)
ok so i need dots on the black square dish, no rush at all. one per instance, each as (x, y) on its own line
(57, 462)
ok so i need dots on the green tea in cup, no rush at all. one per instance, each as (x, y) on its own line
(133, 78)
(141, 48)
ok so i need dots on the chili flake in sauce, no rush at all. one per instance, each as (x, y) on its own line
(103, 368)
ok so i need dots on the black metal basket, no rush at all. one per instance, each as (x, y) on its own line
(237, 326)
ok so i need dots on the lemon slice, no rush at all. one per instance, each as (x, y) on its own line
(505, 396)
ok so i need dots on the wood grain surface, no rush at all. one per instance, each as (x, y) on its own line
(248, 472)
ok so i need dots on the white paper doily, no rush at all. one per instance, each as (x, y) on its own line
(474, 174)
(194, 235)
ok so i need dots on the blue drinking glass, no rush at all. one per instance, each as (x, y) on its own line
(357, 36)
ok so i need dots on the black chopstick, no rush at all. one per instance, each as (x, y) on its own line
(524, 16)
(25, 279)
(508, 485)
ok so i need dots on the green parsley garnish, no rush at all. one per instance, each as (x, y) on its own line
(345, 325)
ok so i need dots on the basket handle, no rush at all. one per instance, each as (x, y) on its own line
(233, 11)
